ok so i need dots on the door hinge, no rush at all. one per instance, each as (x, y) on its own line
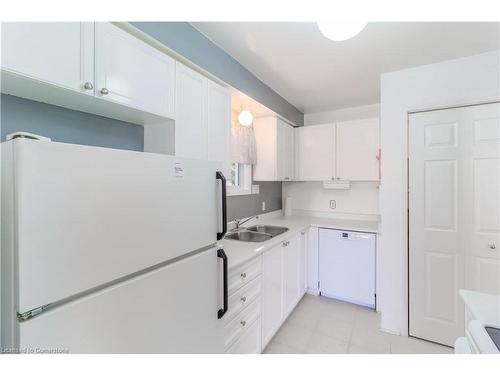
(31, 313)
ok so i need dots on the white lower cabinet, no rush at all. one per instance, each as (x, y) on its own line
(249, 342)
(272, 293)
(242, 322)
(283, 282)
(292, 266)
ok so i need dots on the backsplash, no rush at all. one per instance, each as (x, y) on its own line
(65, 125)
(241, 206)
(360, 199)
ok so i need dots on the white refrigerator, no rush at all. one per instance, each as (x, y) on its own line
(110, 251)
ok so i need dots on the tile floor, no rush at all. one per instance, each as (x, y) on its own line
(322, 325)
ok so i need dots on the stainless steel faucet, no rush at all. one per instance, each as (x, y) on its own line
(238, 222)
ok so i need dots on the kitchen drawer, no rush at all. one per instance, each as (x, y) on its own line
(241, 323)
(242, 298)
(243, 274)
(249, 342)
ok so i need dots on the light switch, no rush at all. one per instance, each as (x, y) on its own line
(333, 204)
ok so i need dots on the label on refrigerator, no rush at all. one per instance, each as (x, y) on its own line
(178, 170)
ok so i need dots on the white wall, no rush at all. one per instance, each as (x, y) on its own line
(345, 114)
(361, 199)
(466, 80)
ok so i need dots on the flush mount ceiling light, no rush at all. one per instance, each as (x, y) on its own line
(245, 118)
(341, 30)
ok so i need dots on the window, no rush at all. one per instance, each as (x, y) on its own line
(240, 180)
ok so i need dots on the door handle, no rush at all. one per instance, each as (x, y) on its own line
(220, 176)
(223, 311)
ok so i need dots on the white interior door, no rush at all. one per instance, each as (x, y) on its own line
(482, 203)
(453, 178)
(130, 72)
(59, 53)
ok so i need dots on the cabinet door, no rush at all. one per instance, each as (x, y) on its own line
(272, 293)
(357, 150)
(219, 125)
(316, 152)
(130, 72)
(288, 152)
(59, 53)
(312, 260)
(303, 262)
(280, 148)
(191, 109)
(292, 271)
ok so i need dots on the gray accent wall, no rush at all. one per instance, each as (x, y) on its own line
(241, 206)
(185, 39)
(65, 125)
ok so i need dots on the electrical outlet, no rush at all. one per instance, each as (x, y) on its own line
(333, 204)
(263, 205)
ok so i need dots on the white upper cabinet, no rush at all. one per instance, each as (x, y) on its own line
(130, 72)
(275, 149)
(343, 151)
(191, 109)
(219, 125)
(59, 53)
(315, 156)
(357, 150)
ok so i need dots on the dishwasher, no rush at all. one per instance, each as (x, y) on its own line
(347, 266)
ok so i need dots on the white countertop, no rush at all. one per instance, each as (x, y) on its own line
(239, 252)
(484, 307)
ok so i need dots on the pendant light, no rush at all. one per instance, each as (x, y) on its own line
(245, 117)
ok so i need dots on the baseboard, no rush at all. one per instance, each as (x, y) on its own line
(313, 291)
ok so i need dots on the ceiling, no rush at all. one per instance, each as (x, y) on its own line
(315, 74)
(241, 101)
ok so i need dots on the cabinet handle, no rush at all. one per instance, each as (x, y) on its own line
(104, 91)
(243, 299)
(493, 246)
(243, 275)
(88, 86)
(243, 323)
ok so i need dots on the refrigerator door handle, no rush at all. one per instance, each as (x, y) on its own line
(222, 254)
(220, 176)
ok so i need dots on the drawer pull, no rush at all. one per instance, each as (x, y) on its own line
(243, 323)
(243, 299)
(243, 275)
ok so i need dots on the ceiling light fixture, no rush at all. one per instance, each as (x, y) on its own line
(245, 118)
(340, 30)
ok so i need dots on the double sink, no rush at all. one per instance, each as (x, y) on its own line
(256, 233)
